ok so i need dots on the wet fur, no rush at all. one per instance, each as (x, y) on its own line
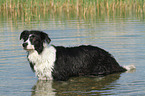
(61, 63)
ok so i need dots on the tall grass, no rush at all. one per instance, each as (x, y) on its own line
(81, 8)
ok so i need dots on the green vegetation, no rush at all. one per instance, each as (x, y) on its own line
(29, 9)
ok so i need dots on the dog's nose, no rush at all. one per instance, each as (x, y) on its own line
(25, 44)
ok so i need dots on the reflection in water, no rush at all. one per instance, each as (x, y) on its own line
(43, 88)
(76, 86)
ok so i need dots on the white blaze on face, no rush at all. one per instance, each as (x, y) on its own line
(29, 46)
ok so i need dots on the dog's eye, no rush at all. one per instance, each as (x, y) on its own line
(33, 38)
(25, 38)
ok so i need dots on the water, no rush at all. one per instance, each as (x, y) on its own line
(122, 37)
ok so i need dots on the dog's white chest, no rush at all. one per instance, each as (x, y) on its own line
(44, 62)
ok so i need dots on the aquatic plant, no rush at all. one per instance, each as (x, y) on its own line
(81, 8)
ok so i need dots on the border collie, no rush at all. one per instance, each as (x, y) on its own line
(60, 63)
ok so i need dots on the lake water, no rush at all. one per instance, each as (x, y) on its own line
(122, 37)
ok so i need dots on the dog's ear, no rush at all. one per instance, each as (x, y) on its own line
(45, 37)
(23, 34)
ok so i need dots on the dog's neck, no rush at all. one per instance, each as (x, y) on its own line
(44, 62)
(47, 50)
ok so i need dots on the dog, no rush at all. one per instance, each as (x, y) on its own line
(59, 63)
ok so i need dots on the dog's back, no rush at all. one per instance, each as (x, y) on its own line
(84, 60)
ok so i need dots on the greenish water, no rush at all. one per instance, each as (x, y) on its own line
(123, 36)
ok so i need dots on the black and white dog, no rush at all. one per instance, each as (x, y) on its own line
(60, 63)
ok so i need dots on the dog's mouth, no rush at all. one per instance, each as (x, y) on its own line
(27, 49)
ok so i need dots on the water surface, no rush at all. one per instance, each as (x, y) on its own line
(122, 37)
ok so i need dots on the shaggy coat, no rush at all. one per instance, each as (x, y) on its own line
(60, 63)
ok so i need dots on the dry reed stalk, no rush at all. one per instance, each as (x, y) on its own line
(79, 7)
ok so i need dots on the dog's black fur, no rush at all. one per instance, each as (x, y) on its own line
(83, 61)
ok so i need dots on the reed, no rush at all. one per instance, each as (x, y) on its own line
(81, 8)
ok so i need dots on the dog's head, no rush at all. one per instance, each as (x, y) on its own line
(34, 40)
